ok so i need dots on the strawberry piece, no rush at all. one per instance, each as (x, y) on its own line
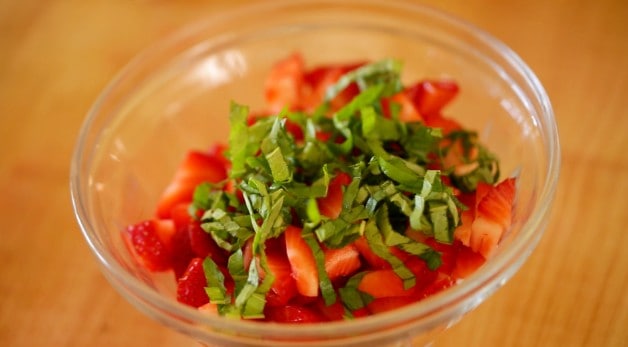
(292, 314)
(150, 240)
(463, 231)
(493, 217)
(467, 262)
(284, 286)
(302, 262)
(408, 111)
(196, 168)
(382, 284)
(203, 245)
(445, 123)
(375, 261)
(386, 304)
(321, 78)
(422, 274)
(179, 245)
(330, 206)
(341, 262)
(430, 96)
(441, 283)
(191, 286)
(284, 84)
(333, 312)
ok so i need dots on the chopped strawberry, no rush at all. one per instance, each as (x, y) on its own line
(341, 262)
(191, 286)
(292, 314)
(284, 287)
(373, 259)
(150, 240)
(179, 244)
(493, 217)
(422, 274)
(463, 231)
(446, 124)
(440, 284)
(302, 262)
(385, 304)
(197, 167)
(430, 96)
(321, 78)
(330, 206)
(382, 284)
(333, 312)
(203, 245)
(285, 83)
(408, 111)
(467, 262)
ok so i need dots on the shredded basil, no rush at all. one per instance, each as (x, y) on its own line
(394, 187)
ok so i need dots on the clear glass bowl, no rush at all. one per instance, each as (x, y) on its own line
(176, 96)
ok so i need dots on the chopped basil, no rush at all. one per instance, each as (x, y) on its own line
(393, 188)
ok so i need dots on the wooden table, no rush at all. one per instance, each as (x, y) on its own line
(55, 57)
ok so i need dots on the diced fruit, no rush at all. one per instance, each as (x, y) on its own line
(493, 217)
(440, 284)
(284, 84)
(373, 259)
(423, 275)
(431, 96)
(150, 241)
(196, 168)
(463, 231)
(284, 287)
(383, 284)
(333, 312)
(331, 205)
(385, 304)
(446, 124)
(467, 262)
(191, 286)
(320, 79)
(408, 111)
(341, 262)
(292, 314)
(302, 262)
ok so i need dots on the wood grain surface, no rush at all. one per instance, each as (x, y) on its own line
(56, 56)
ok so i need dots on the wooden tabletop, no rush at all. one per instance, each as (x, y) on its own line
(56, 56)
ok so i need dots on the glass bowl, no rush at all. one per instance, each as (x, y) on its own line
(176, 95)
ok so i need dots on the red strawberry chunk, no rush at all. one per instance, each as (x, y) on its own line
(191, 286)
(375, 261)
(284, 286)
(467, 262)
(333, 312)
(292, 314)
(430, 96)
(385, 304)
(330, 206)
(302, 262)
(284, 84)
(341, 262)
(320, 79)
(493, 217)
(382, 284)
(441, 283)
(196, 168)
(149, 240)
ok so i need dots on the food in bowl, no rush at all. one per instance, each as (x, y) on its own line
(351, 194)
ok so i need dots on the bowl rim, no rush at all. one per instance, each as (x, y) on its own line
(430, 310)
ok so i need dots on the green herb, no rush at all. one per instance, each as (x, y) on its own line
(393, 188)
